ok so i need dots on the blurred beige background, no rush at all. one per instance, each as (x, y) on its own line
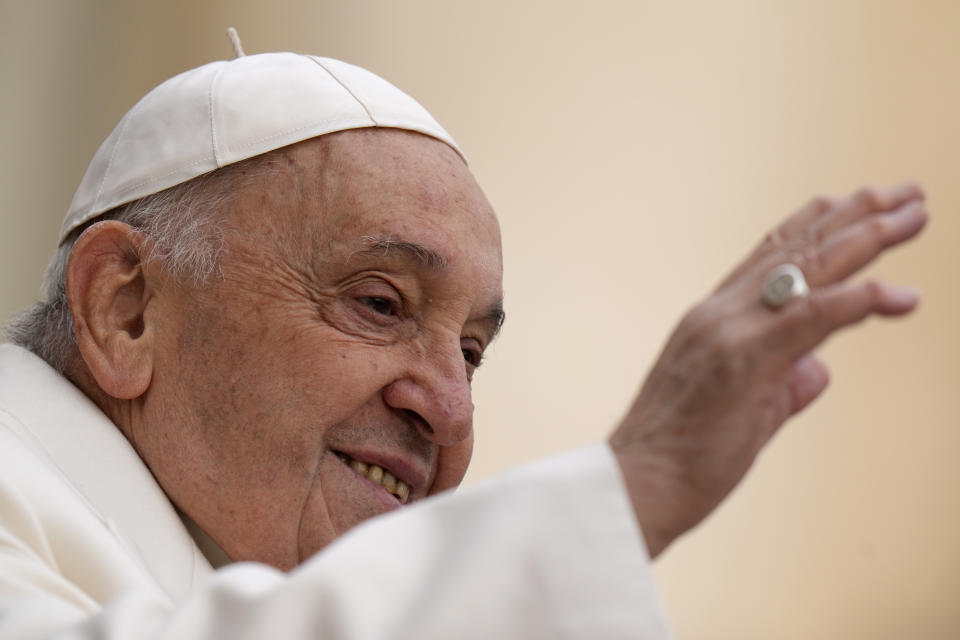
(634, 150)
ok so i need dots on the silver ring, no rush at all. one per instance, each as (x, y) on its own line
(784, 283)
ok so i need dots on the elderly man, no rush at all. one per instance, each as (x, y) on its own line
(273, 287)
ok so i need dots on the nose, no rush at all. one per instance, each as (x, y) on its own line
(437, 390)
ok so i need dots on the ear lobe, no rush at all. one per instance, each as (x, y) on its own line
(108, 294)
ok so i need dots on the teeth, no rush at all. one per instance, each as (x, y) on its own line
(359, 467)
(384, 478)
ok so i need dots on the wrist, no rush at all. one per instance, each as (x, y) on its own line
(662, 508)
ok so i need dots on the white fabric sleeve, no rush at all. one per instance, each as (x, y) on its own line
(547, 550)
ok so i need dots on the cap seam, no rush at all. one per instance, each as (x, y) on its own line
(160, 178)
(180, 168)
(213, 124)
(113, 152)
(107, 192)
(96, 210)
(287, 132)
(316, 60)
(245, 145)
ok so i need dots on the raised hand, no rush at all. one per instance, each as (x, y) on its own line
(737, 367)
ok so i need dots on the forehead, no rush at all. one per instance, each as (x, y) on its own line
(341, 190)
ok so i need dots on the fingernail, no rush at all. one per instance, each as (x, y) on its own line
(912, 217)
(912, 190)
(906, 296)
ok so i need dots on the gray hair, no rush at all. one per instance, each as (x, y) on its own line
(186, 238)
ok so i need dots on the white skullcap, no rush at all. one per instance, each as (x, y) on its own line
(228, 111)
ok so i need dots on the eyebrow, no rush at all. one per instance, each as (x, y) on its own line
(383, 247)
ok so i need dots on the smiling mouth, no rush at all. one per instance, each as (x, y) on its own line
(378, 475)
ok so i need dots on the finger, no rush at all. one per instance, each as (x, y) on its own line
(852, 248)
(808, 378)
(805, 230)
(801, 325)
(811, 213)
(805, 381)
(863, 204)
(777, 242)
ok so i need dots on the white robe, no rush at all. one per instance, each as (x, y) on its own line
(90, 547)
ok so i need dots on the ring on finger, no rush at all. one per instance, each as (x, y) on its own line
(783, 284)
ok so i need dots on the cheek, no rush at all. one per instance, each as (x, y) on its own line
(452, 463)
(320, 521)
(247, 398)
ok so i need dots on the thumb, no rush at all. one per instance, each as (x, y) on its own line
(808, 378)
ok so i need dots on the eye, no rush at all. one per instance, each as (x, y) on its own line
(472, 354)
(382, 306)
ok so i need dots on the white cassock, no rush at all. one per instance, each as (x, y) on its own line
(90, 547)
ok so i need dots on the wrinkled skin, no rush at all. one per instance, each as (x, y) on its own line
(361, 284)
(734, 370)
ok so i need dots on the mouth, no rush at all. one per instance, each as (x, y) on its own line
(379, 476)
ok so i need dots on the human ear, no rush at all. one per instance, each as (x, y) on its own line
(108, 295)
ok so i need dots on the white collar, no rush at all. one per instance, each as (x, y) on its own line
(100, 463)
